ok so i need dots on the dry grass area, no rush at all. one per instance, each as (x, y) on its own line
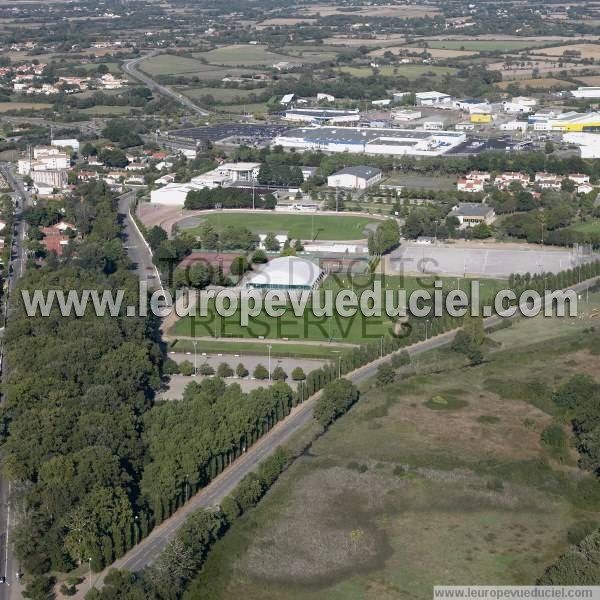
(591, 80)
(397, 497)
(542, 83)
(377, 41)
(435, 52)
(281, 21)
(586, 50)
(7, 106)
(398, 11)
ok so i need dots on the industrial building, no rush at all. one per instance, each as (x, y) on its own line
(355, 178)
(589, 143)
(570, 121)
(383, 141)
(431, 98)
(586, 92)
(286, 273)
(321, 116)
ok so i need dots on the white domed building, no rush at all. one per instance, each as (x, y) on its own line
(286, 273)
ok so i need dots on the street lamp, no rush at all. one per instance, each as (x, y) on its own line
(426, 325)
(269, 348)
(90, 570)
(339, 353)
(195, 344)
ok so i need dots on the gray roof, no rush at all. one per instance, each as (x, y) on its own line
(365, 135)
(360, 171)
(471, 209)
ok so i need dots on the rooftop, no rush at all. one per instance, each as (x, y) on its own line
(359, 171)
(471, 209)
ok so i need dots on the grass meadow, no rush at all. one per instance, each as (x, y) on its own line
(399, 495)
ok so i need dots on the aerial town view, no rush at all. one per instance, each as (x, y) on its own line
(299, 300)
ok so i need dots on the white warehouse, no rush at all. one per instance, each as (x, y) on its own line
(355, 178)
(382, 141)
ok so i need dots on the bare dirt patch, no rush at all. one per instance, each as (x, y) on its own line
(585, 50)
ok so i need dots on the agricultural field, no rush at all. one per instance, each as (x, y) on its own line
(219, 94)
(242, 55)
(399, 11)
(408, 71)
(314, 227)
(540, 83)
(447, 458)
(482, 45)
(6, 106)
(434, 52)
(356, 329)
(585, 50)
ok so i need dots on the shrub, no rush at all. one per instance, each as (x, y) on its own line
(241, 371)
(580, 530)
(385, 374)
(186, 368)
(279, 374)
(206, 369)
(170, 367)
(400, 359)
(555, 438)
(224, 370)
(260, 372)
(298, 374)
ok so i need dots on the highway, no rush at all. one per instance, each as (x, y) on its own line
(11, 590)
(148, 549)
(130, 67)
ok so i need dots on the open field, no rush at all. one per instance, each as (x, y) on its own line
(279, 21)
(356, 329)
(399, 11)
(542, 83)
(377, 41)
(591, 80)
(219, 94)
(321, 227)
(592, 226)
(408, 71)
(236, 109)
(482, 45)
(107, 110)
(243, 55)
(585, 50)
(435, 53)
(6, 106)
(397, 497)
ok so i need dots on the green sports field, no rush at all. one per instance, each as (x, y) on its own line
(353, 329)
(305, 227)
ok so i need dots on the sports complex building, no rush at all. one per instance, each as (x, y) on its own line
(286, 273)
(386, 141)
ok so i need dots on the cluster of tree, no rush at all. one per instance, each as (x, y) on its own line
(228, 198)
(469, 339)
(385, 237)
(191, 442)
(126, 132)
(273, 173)
(229, 238)
(335, 400)
(77, 390)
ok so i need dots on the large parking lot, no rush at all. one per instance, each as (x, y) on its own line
(459, 261)
(237, 131)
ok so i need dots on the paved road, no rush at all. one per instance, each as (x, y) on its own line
(138, 250)
(11, 590)
(130, 67)
(149, 548)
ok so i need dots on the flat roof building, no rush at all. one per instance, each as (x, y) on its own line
(355, 178)
(320, 116)
(373, 140)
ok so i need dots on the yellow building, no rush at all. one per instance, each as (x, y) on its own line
(576, 122)
(477, 118)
